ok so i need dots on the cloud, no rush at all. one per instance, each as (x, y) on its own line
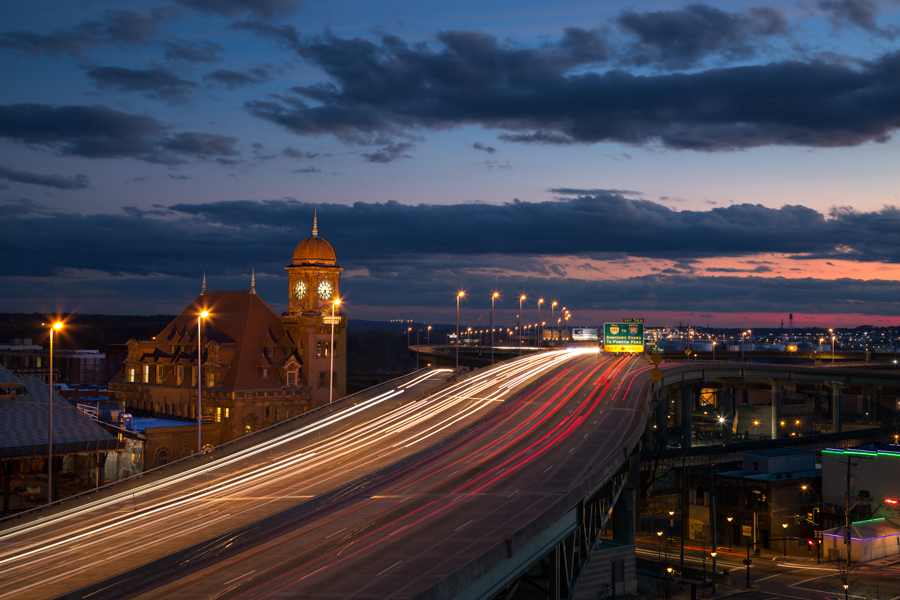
(678, 39)
(263, 9)
(307, 170)
(117, 27)
(78, 182)
(593, 192)
(156, 83)
(295, 153)
(193, 52)
(390, 152)
(101, 132)
(759, 269)
(547, 95)
(181, 177)
(234, 79)
(480, 146)
(402, 251)
(859, 13)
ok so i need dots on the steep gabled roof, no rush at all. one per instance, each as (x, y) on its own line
(243, 325)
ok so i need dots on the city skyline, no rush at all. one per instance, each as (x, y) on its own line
(721, 163)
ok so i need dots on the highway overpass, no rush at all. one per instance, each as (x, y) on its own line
(453, 492)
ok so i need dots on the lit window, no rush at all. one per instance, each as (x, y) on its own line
(292, 379)
(131, 375)
(265, 373)
(146, 373)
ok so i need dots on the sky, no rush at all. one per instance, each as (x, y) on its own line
(721, 163)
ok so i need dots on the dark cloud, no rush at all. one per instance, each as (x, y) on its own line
(540, 95)
(116, 27)
(678, 39)
(181, 177)
(593, 192)
(399, 251)
(307, 170)
(859, 13)
(234, 79)
(193, 52)
(156, 83)
(390, 152)
(295, 153)
(101, 132)
(78, 182)
(264, 9)
(206, 145)
(480, 146)
(759, 269)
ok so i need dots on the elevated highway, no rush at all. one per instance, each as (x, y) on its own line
(435, 489)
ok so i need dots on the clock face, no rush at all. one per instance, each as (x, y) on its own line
(300, 290)
(325, 290)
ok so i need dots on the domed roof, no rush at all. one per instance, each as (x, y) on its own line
(314, 249)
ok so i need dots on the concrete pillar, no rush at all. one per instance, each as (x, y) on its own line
(101, 468)
(745, 396)
(776, 409)
(728, 413)
(624, 515)
(817, 403)
(662, 416)
(677, 394)
(687, 412)
(837, 406)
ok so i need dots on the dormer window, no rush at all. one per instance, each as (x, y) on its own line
(270, 351)
(265, 372)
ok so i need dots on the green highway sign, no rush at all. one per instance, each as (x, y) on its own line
(624, 337)
(632, 320)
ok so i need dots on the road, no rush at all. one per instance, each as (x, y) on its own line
(443, 512)
(302, 470)
(794, 578)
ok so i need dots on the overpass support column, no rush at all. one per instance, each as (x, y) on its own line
(624, 515)
(676, 397)
(837, 407)
(728, 414)
(687, 413)
(662, 416)
(776, 408)
(7, 485)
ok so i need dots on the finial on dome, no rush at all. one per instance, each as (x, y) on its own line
(253, 281)
(315, 223)
(203, 289)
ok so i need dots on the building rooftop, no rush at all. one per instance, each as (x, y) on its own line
(774, 476)
(776, 452)
(24, 420)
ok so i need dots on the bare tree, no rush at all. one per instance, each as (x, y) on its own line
(846, 577)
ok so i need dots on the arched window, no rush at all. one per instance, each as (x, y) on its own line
(162, 456)
(248, 429)
(185, 452)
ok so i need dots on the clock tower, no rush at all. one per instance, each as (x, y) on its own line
(313, 287)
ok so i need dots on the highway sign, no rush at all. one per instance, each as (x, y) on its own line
(655, 359)
(623, 337)
(688, 352)
(632, 320)
(654, 375)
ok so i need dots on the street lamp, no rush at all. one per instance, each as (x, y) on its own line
(458, 296)
(832, 345)
(784, 541)
(55, 327)
(552, 306)
(846, 593)
(428, 336)
(204, 314)
(494, 296)
(334, 305)
(519, 322)
(713, 554)
(540, 339)
(659, 546)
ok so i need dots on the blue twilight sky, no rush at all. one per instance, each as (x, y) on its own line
(721, 162)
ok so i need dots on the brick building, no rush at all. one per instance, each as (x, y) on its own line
(257, 367)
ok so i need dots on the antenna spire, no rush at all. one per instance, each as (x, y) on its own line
(203, 290)
(315, 223)
(253, 281)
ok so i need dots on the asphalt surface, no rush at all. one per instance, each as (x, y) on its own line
(446, 509)
(127, 529)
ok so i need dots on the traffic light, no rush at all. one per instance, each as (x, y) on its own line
(810, 544)
(817, 518)
(799, 519)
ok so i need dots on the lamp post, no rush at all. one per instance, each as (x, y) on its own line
(713, 554)
(519, 323)
(552, 306)
(202, 316)
(428, 336)
(55, 327)
(334, 305)
(846, 593)
(458, 296)
(408, 330)
(832, 345)
(659, 546)
(784, 541)
(807, 488)
(541, 338)
(494, 296)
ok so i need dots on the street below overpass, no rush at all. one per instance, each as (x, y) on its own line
(381, 498)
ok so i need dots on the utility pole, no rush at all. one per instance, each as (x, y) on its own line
(712, 519)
